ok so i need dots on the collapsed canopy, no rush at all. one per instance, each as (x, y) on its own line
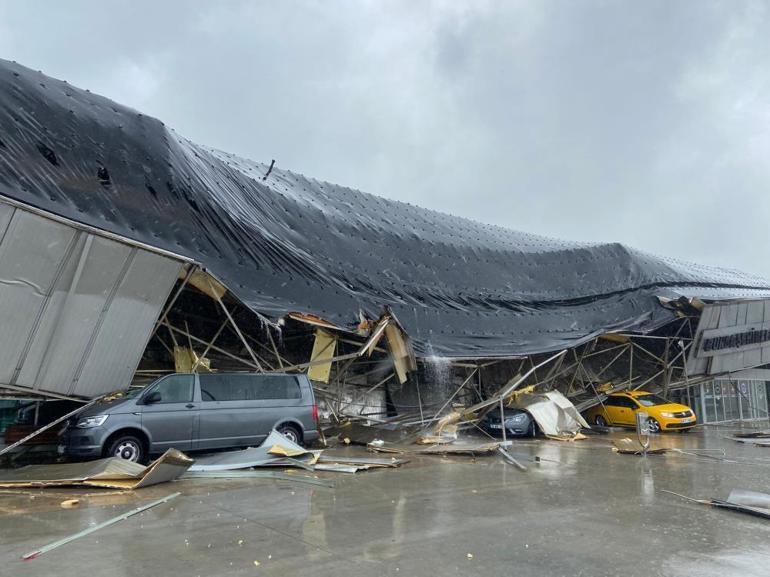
(291, 243)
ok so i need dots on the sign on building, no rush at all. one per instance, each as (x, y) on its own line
(731, 336)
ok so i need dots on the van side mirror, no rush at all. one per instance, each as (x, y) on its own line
(153, 397)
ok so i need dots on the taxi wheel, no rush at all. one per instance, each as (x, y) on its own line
(601, 421)
(653, 425)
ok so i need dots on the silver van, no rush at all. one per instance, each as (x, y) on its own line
(195, 412)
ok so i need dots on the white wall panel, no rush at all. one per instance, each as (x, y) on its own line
(76, 308)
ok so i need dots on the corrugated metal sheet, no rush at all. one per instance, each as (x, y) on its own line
(127, 323)
(76, 308)
(745, 319)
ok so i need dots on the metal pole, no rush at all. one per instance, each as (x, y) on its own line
(208, 346)
(171, 330)
(93, 528)
(264, 348)
(171, 303)
(513, 386)
(608, 365)
(502, 421)
(321, 362)
(382, 382)
(235, 326)
(27, 390)
(419, 399)
(667, 372)
(465, 382)
(275, 348)
(579, 365)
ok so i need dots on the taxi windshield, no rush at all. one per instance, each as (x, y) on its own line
(651, 400)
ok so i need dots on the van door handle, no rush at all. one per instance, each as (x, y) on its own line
(190, 406)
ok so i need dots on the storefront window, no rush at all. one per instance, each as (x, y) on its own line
(730, 401)
(711, 415)
(695, 402)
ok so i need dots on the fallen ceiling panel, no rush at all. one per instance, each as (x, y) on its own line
(286, 242)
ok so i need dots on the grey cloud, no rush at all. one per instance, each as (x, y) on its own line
(644, 123)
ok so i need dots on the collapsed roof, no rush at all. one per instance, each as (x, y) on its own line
(285, 242)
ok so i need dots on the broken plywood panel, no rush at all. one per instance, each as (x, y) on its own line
(185, 360)
(324, 348)
(401, 352)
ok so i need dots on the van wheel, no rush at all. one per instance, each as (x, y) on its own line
(291, 433)
(127, 447)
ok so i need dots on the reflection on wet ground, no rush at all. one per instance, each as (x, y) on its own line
(580, 510)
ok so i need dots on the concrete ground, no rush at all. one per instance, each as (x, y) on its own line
(583, 510)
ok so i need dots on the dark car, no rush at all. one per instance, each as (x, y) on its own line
(35, 415)
(518, 423)
(194, 412)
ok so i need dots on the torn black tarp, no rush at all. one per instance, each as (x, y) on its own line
(285, 242)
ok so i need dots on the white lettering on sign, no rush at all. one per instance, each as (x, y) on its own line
(731, 339)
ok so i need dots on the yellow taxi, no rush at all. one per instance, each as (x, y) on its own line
(620, 409)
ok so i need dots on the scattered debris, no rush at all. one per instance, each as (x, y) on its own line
(113, 473)
(749, 498)
(246, 474)
(97, 527)
(460, 447)
(70, 503)
(269, 169)
(508, 457)
(278, 451)
(627, 446)
(359, 434)
(337, 468)
(740, 500)
(556, 416)
(355, 464)
(753, 435)
(641, 452)
(757, 441)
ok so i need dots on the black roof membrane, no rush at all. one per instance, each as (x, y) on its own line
(292, 243)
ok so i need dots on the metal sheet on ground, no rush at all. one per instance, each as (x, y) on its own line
(254, 456)
(113, 473)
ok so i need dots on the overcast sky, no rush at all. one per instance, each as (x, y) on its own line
(646, 123)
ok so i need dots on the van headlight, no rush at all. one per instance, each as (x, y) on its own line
(666, 414)
(89, 422)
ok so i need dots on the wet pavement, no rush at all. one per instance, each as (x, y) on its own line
(582, 510)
